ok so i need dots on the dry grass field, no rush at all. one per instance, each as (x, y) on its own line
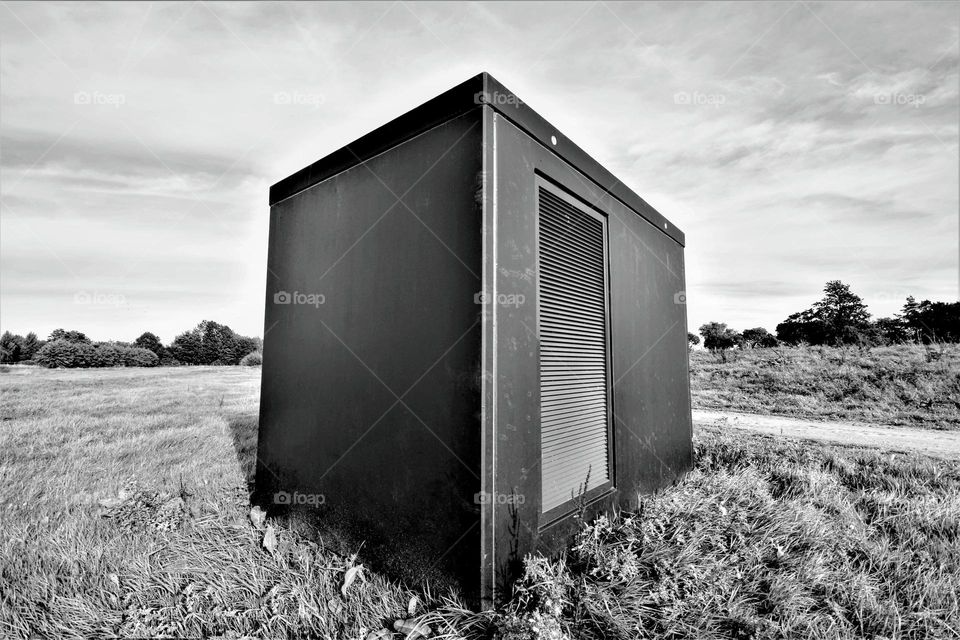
(909, 385)
(124, 513)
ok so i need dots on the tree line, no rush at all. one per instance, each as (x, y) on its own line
(209, 343)
(842, 318)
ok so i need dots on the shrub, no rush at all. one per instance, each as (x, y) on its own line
(86, 355)
(252, 359)
(168, 360)
(137, 357)
(759, 338)
(717, 337)
(106, 355)
(57, 354)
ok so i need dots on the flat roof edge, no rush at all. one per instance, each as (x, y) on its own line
(476, 92)
(437, 110)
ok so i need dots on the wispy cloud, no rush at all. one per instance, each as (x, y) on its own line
(793, 142)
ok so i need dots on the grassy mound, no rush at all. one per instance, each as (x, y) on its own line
(907, 385)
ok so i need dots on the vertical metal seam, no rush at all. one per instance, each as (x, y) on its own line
(493, 340)
(486, 550)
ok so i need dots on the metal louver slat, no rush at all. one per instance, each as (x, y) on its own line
(564, 415)
(559, 382)
(572, 320)
(558, 428)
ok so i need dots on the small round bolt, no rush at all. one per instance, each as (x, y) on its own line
(553, 140)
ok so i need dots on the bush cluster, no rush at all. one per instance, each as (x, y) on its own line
(252, 359)
(72, 355)
(209, 343)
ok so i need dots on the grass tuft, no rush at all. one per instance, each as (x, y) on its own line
(770, 539)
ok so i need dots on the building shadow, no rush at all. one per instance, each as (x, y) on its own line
(390, 557)
(244, 428)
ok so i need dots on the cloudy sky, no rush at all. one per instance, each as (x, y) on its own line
(793, 142)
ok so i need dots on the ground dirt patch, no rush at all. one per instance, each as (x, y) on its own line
(939, 444)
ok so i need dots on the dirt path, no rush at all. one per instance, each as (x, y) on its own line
(941, 444)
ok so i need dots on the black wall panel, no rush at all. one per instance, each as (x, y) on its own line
(371, 398)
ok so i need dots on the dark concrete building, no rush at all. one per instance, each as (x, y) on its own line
(473, 333)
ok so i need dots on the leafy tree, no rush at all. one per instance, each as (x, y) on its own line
(890, 331)
(11, 348)
(932, 321)
(246, 345)
(717, 337)
(692, 339)
(843, 313)
(168, 360)
(758, 337)
(31, 344)
(839, 317)
(910, 309)
(70, 336)
(219, 343)
(151, 342)
(803, 326)
(212, 343)
(187, 347)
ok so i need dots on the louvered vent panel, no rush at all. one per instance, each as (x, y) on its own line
(573, 351)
